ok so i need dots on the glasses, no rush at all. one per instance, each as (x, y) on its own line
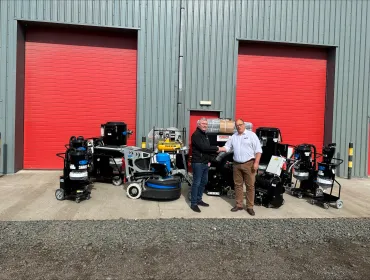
(239, 125)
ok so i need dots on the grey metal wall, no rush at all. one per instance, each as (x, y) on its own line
(188, 52)
(212, 30)
(158, 52)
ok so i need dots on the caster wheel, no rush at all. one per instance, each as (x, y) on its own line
(88, 196)
(189, 196)
(60, 194)
(134, 191)
(231, 194)
(117, 181)
(282, 202)
(326, 205)
(78, 200)
(312, 201)
(299, 195)
(339, 204)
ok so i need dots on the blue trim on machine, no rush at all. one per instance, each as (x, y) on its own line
(161, 186)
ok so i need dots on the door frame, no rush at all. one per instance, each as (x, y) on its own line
(187, 119)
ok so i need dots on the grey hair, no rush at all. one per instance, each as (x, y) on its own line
(201, 119)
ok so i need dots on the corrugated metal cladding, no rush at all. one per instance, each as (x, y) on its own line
(188, 52)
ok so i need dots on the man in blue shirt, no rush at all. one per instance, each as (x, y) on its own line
(247, 154)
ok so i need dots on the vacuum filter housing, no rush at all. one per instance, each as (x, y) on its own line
(114, 133)
(78, 164)
(301, 170)
(326, 170)
(325, 175)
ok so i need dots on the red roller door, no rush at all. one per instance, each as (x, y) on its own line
(283, 87)
(75, 81)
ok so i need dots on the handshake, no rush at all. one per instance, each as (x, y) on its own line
(221, 149)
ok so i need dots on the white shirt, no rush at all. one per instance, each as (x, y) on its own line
(245, 146)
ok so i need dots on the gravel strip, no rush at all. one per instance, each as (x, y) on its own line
(186, 249)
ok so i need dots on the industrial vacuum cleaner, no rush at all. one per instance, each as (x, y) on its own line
(304, 170)
(75, 181)
(326, 178)
(316, 178)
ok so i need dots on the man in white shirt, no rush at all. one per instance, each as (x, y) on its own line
(247, 154)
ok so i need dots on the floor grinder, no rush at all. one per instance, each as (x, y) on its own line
(155, 181)
(75, 181)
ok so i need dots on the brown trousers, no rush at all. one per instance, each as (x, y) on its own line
(242, 173)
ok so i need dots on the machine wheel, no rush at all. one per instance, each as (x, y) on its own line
(326, 205)
(299, 195)
(282, 202)
(88, 196)
(78, 200)
(117, 181)
(312, 201)
(60, 194)
(231, 194)
(134, 191)
(339, 204)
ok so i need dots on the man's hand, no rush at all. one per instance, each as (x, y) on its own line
(255, 166)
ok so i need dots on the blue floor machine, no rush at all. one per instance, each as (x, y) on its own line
(154, 182)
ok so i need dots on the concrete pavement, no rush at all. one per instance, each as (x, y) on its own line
(30, 195)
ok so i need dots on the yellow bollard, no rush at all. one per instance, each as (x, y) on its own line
(143, 142)
(350, 160)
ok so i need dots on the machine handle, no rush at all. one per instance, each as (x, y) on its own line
(59, 155)
(340, 161)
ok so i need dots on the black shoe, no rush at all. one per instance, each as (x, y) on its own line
(235, 208)
(250, 211)
(195, 208)
(202, 203)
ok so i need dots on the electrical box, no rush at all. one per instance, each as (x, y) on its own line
(275, 165)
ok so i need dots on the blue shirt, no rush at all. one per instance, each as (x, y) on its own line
(245, 146)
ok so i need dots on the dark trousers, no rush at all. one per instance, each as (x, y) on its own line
(200, 179)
